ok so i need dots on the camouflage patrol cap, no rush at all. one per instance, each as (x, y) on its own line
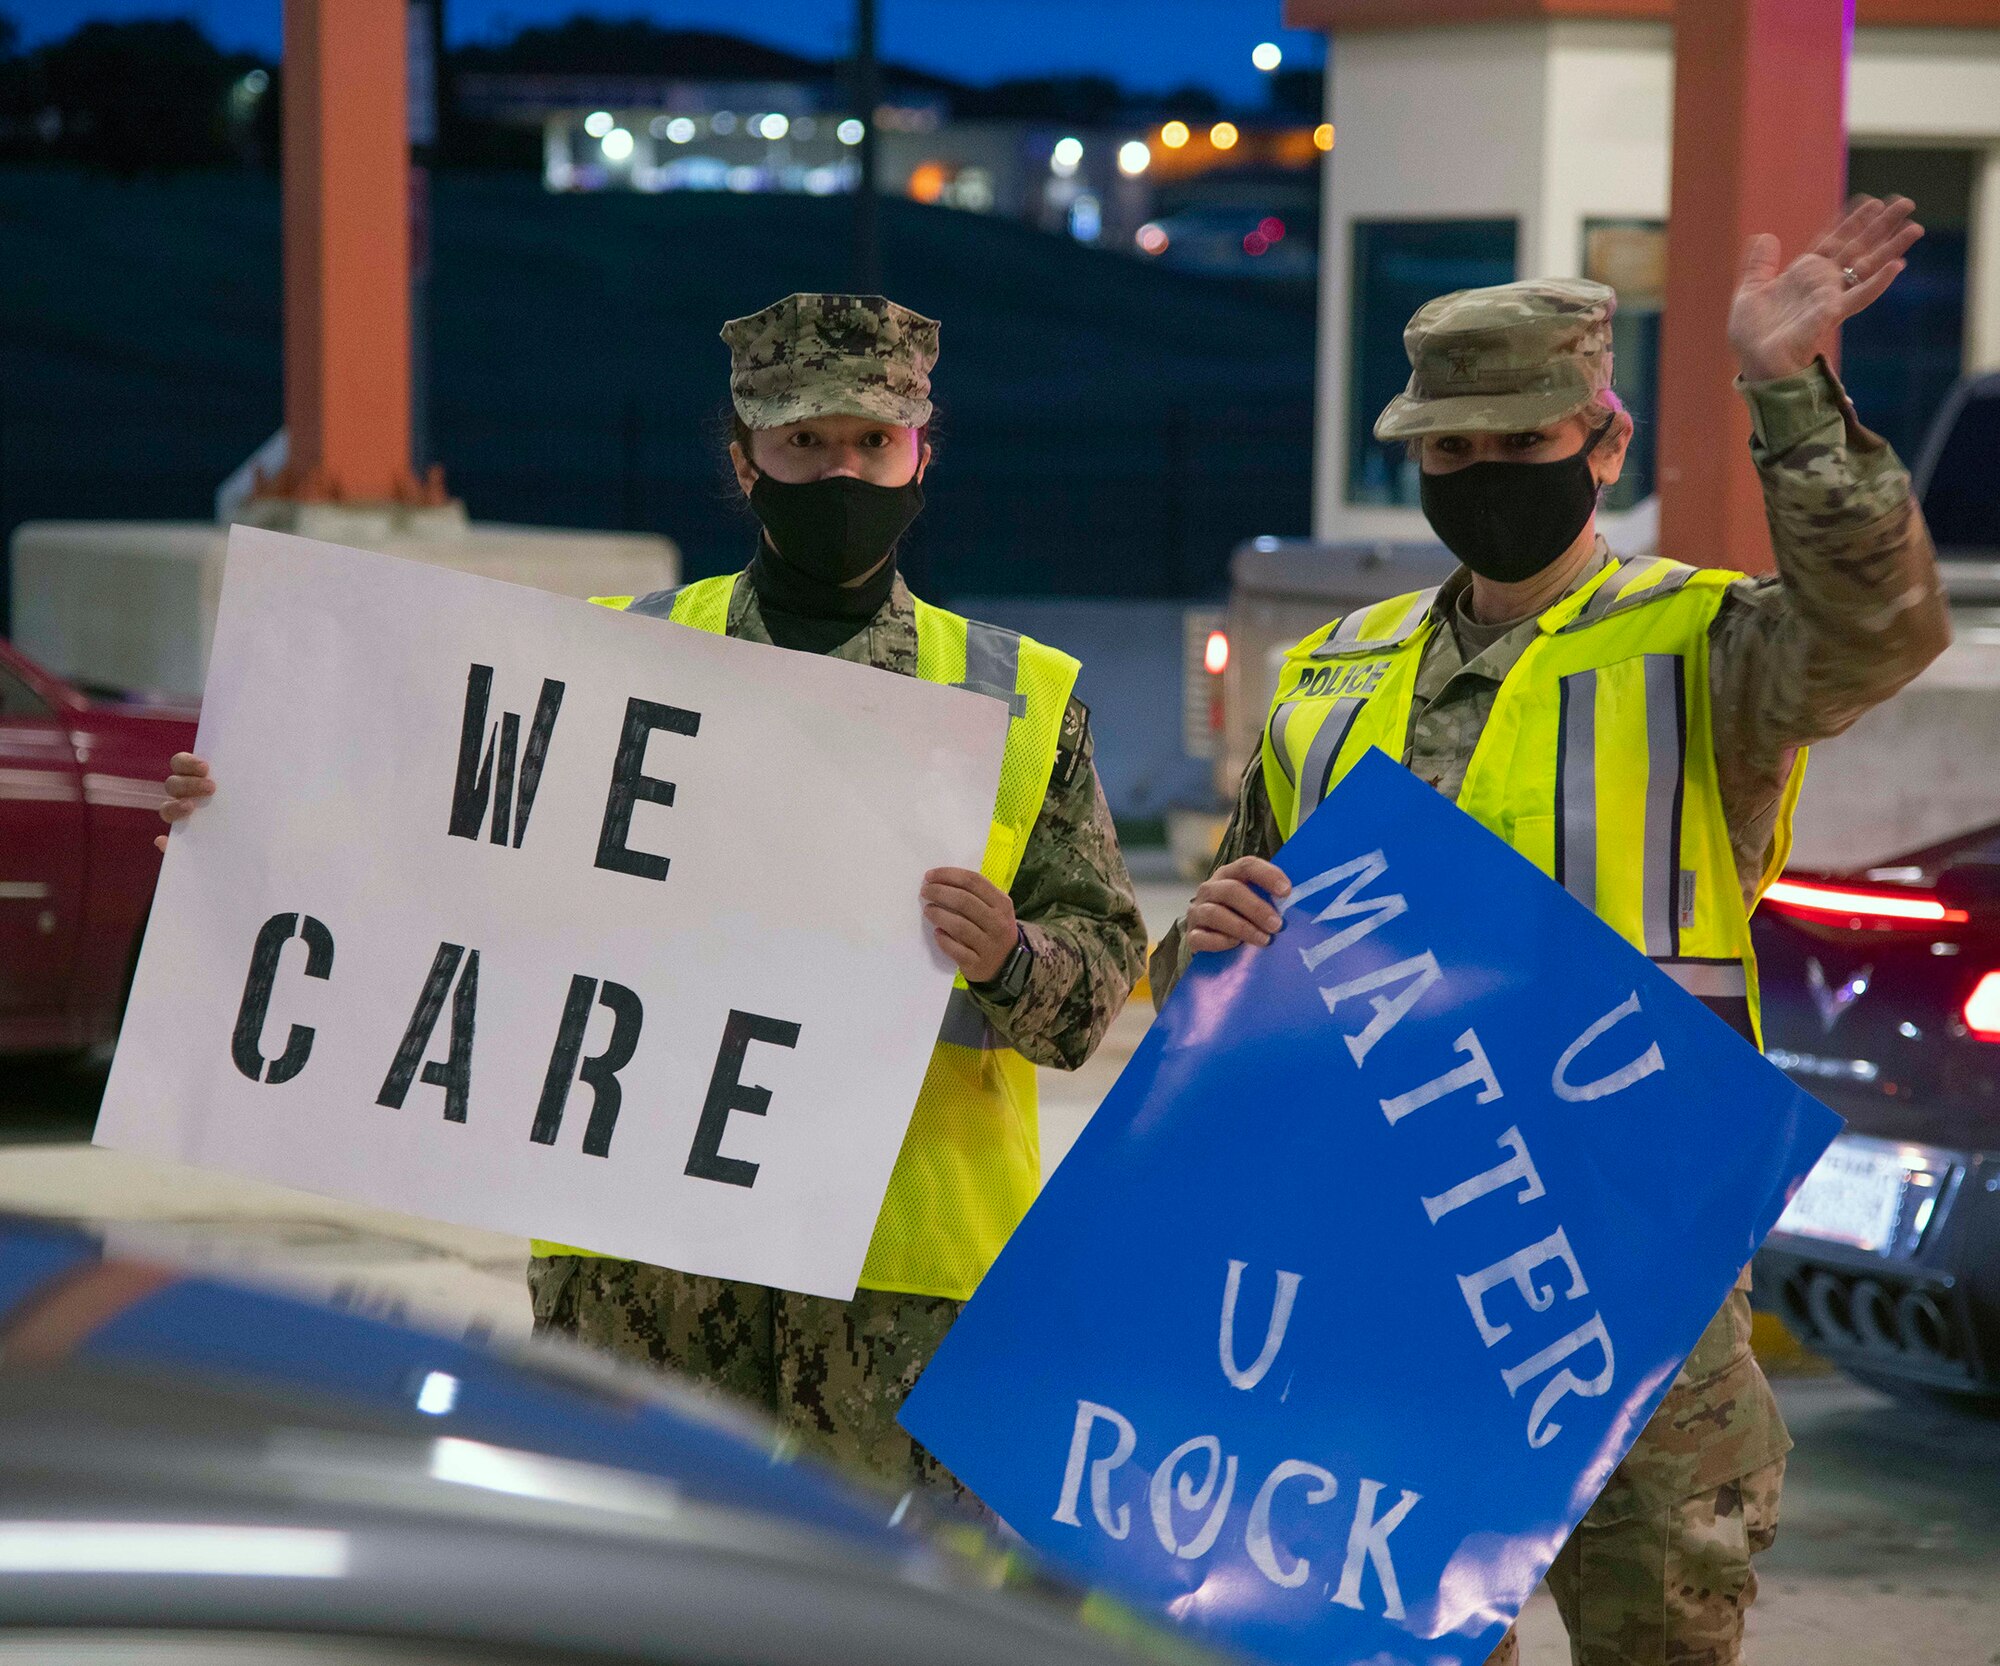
(832, 355)
(1503, 359)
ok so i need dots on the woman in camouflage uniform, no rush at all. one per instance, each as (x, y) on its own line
(831, 398)
(832, 405)
(1510, 415)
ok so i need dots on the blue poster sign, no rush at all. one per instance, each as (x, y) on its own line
(1376, 1259)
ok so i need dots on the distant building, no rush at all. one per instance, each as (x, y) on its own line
(1204, 197)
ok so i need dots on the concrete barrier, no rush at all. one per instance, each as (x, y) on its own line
(1923, 767)
(131, 604)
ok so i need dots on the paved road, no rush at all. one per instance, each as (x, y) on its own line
(1890, 1549)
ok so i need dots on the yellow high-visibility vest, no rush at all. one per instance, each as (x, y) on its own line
(971, 1160)
(1597, 762)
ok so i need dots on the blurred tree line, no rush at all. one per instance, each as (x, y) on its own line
(153, 95)
(156, 95)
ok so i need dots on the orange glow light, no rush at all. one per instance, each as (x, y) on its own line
(1174, 135)
(927, 182)
(1223, 135)
(1323, 135)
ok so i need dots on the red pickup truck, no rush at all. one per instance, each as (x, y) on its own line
(80, 774)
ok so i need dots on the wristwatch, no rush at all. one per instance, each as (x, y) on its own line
(1010, 983)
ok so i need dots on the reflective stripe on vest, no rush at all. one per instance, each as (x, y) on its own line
(1597, 760)
(970, 1163)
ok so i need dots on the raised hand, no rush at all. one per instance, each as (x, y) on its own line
(1783, 317)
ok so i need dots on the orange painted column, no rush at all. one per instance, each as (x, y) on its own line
(1760, 144)
(347, 252)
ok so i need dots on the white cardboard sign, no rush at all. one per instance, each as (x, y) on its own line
(520, 913)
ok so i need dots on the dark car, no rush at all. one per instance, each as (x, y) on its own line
(1957, 481)
(80, 774)
(1882, 997)
(195, 1471)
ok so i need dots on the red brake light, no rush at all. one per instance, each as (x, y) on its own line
(1859, 907)
(1215, 654)
(1982, 1008)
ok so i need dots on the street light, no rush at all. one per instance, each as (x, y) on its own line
(598, 123)
(1066, 157)
(1174, 135)
(617, 145)
(1267, 56)
(1134, 158)
(1223, 135)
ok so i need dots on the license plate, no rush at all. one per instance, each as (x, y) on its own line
(1852, 1196)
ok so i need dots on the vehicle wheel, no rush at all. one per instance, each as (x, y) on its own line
(1924, 1397)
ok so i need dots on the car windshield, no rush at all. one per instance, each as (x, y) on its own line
(1962, 499)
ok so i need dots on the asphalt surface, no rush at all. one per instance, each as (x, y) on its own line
(1889, 1550)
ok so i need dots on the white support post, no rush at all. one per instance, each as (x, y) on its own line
(1982, 268)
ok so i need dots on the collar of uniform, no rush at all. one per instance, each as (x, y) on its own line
(1461, 581)
(887, 641)
(1445, 658)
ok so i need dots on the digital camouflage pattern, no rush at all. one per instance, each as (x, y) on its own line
(1856, 611)
(1072, 893)
(836, 1372)
(832, 355)
(1503, 360)
(1667, 1588)
(832, 1374)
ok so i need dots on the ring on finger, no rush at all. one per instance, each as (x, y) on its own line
(1849, 276)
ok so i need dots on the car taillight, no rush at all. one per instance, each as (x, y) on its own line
(1215, 655)
(1982, 1008)
(1857, 907)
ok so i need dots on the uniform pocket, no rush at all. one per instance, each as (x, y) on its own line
(1708, 1563)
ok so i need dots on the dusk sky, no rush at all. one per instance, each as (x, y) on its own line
(1147, 44)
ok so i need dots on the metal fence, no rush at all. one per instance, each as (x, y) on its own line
(1146, 504)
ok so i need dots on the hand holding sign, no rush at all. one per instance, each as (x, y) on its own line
(510, 915)
(1376, 1259)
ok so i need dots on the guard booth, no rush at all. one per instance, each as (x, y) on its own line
(1480, 141)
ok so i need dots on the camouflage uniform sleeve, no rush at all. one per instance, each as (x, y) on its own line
(1077, 908)
(1252, 831)
(1856, 611)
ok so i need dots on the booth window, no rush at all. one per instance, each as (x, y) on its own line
(1901, 356)
(1399, 265)
(1630, 256)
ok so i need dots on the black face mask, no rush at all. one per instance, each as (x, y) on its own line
(1507, 521)
(830, 532)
